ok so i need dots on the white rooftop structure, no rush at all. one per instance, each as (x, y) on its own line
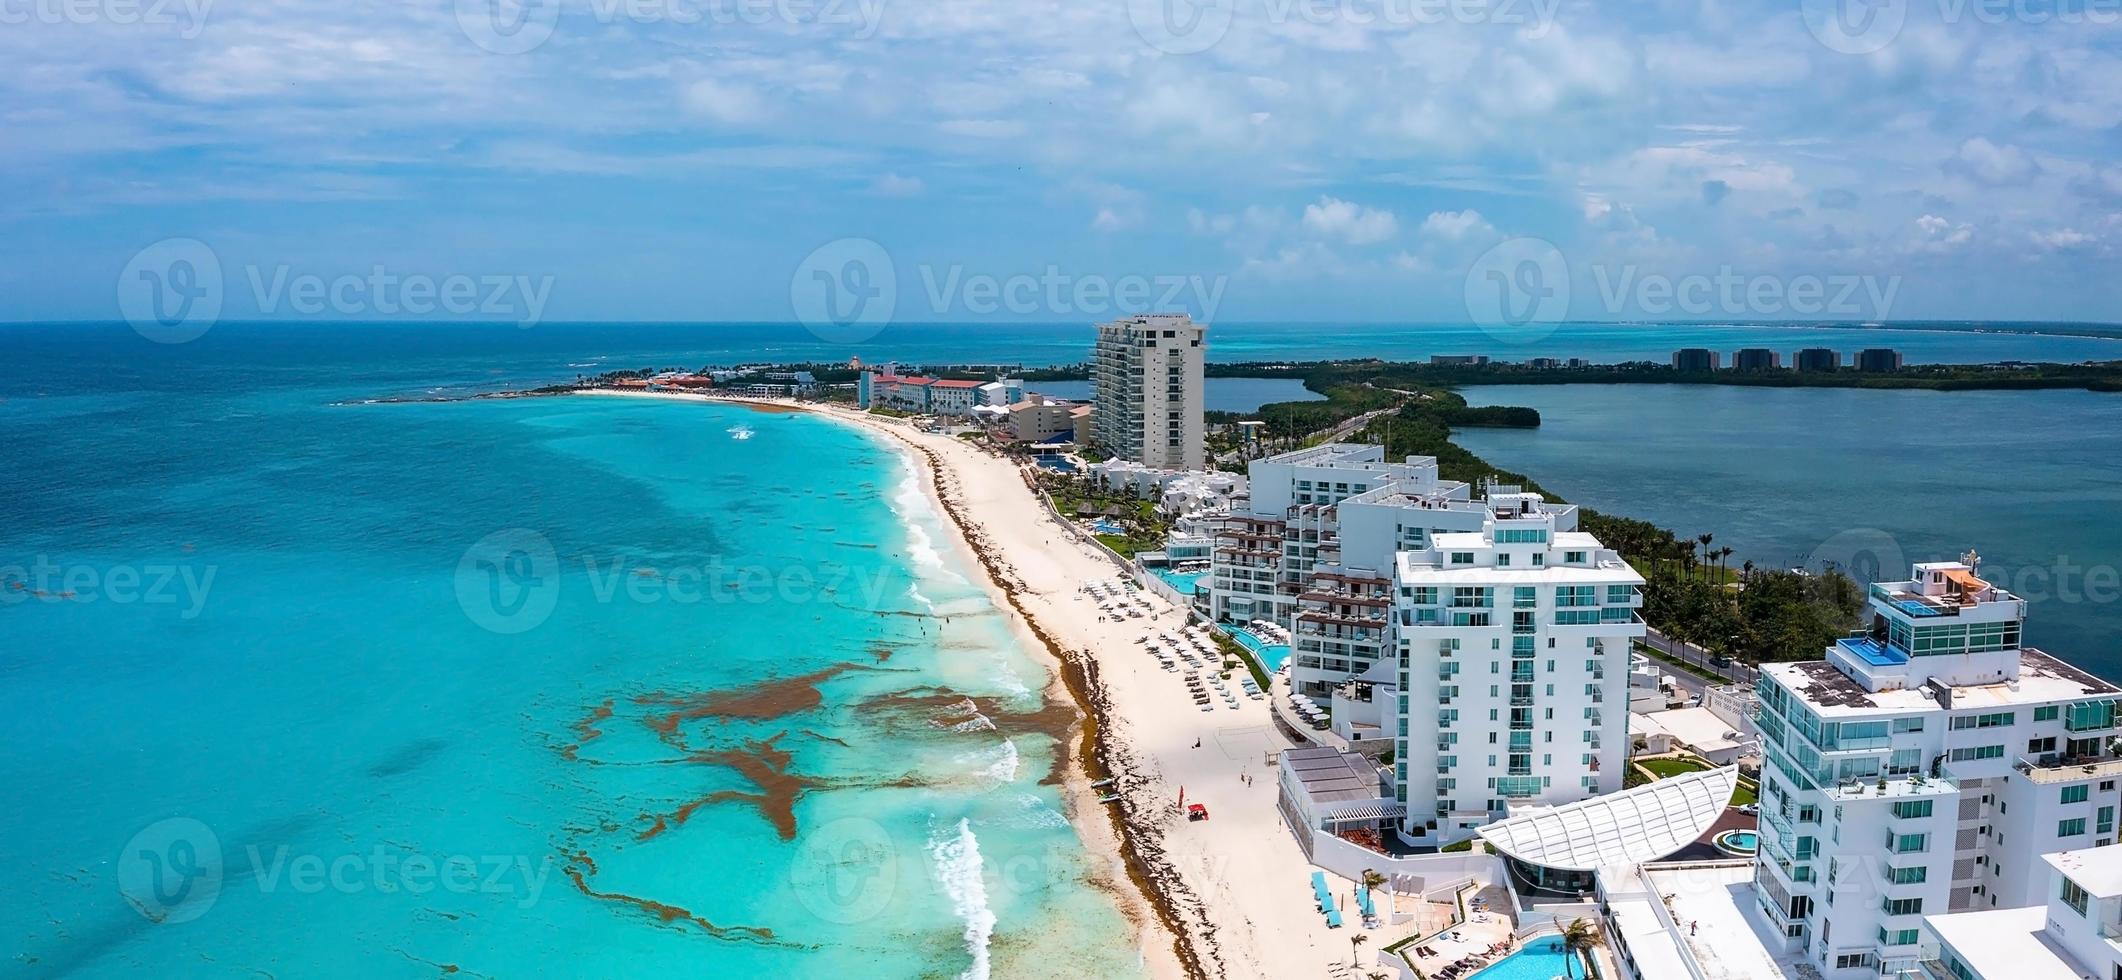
(1618, 830)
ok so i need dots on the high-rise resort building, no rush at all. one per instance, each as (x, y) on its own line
(1311, 549)
(1924, 767)
(1146, 380)
(1513, 643)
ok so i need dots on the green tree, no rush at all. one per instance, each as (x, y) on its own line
(1578, 938)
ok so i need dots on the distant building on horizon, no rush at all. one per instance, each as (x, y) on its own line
(1146, 380)
(1696, 359)
(1457, 360)
(1816, 360)
(1878, 360)
(1756, 359)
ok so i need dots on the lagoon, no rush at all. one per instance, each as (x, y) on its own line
(1867, 479)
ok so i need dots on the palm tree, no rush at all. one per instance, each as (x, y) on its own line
(1578, 938)
(1372, 880)
(1355, 944)
(1723, 559)
(1705, 538)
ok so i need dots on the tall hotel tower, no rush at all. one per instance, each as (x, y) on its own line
(1146, 386)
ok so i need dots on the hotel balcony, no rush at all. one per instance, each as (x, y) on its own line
(2065, 769)
(1966, 593)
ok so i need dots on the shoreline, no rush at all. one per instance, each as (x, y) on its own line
(1224, 897)
(1164, 955)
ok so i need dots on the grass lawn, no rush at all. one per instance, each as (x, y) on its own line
(1668, 768)
(1748, 792)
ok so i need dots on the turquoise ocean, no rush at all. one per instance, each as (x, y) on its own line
(543, 687)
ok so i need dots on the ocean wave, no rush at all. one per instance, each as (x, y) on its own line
(956, 854)
(739, 432)
(976, 723)
(913, 510)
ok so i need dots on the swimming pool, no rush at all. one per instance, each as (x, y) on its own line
(1273, 655)
(1739, 842)
(1541, 959)
(1186, 582)
(1102, 526)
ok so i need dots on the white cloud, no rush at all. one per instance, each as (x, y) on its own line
(893, 185)
(724, 102)
(2063, 238)
(1349, 222)
(1991, 163)
(1456, 225)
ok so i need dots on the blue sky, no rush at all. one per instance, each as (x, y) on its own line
(1318, 160)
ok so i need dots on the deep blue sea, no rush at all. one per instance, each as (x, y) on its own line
(541, 687)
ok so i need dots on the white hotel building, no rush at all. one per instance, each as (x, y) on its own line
(1312, 548)
(1513, 644)
(2076, 933)
(1923, 768)
(1146, 383)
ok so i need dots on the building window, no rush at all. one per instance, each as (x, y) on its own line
(2076, 794)
(1908, 876)
(2074, 896)
(1904, 906)
(1462, 557)
(2049, 713)
(2073, 827)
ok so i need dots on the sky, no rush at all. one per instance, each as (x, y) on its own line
(968, 160)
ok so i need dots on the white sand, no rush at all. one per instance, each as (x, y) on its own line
(1238, 883)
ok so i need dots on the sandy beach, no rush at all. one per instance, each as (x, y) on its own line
(1234, 889)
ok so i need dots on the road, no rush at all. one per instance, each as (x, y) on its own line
(1688, 653)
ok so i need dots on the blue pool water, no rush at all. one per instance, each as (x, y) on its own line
(1274, 655)
(1185, 582)
(1541, 959)
(1107, 527)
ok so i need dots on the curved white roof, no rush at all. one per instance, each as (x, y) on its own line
(1621, 829)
